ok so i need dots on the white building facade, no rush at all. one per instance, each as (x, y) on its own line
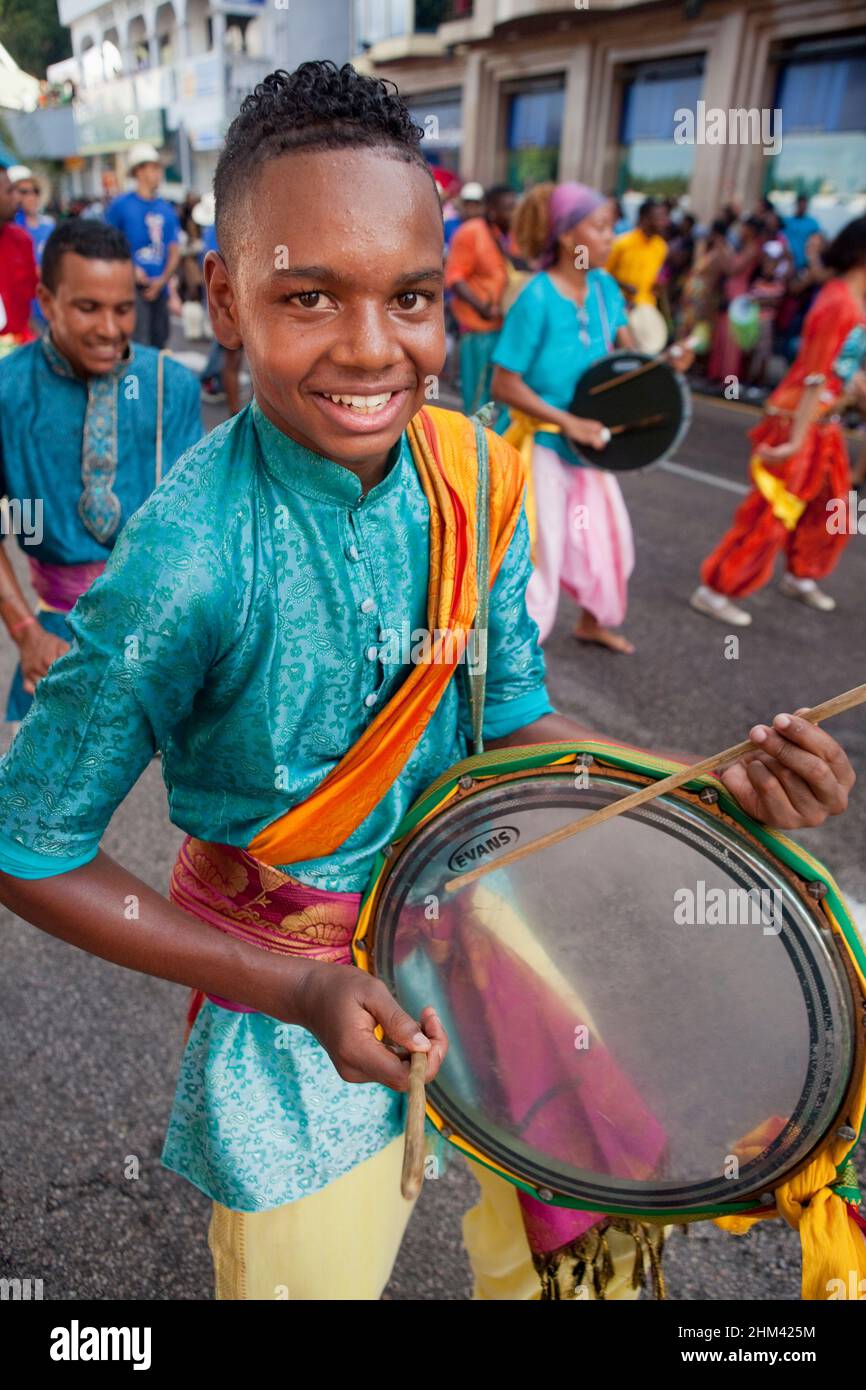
(175, 73)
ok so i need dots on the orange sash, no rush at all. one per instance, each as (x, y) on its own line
(444, 453)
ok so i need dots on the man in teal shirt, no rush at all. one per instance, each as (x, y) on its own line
(80, 448)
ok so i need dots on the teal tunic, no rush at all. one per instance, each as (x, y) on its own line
(550, 341)
(49, 438)
(238, 628)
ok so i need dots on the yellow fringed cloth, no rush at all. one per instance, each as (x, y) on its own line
(823, 1204)
(521, 436)
(444, 452)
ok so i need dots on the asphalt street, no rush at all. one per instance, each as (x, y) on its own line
(90, 1052)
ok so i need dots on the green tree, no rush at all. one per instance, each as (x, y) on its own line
(33, 34)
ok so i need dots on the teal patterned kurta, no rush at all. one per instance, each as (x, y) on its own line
(86, 450)
(237, 628)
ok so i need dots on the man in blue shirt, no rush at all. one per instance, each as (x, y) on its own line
(799, 228)
(151, 227)
(81, 447)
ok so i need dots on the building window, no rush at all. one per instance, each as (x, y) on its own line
(377, 20)
(820, 94)
(533, 130)
(649, 159)
(440, 117)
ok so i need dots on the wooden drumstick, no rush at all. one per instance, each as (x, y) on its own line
(413, 1151)
(626, 376)
(644, 424)
(848, 700)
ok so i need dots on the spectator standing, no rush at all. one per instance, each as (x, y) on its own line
(701, 294)
(477, 271)
(37, 226)
(638, 256)
(798, 230)
(448, 186)
(471, 201)
(726, 356)
(151, 227)
(803, 288)
(18, 274)
(768, 289)
(681, 254)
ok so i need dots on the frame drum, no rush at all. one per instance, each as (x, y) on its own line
(614, 391)
(659, 1018)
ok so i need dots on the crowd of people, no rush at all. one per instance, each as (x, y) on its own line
(738, 287)
(730, 297)
(227, 614)
(742, 284)
(537, 289)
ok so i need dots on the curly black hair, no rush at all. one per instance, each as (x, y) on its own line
(84, 236)
(317, 107)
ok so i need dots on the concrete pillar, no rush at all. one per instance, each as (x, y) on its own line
(573, 145)
(480, 118)
(181, 30)
(715, 170)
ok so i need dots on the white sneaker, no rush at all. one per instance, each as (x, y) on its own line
(707, 601)
(807, 591)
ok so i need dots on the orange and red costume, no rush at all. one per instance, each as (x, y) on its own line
(787, 507)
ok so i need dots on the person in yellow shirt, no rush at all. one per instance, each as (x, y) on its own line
(637, 256)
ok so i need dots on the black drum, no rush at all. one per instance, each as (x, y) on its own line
(644, 403)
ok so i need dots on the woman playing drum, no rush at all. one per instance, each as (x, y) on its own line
(569, 315)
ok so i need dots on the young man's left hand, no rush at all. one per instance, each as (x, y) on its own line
(796, 776)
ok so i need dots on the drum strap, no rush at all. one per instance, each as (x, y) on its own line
(476, 667)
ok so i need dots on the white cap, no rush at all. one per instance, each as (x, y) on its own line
(204, 212)
(472, 192)
(142, 154)
(18, 173)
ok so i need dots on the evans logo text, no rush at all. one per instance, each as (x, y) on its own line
(480, 847)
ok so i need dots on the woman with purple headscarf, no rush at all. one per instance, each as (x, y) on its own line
(567, 317)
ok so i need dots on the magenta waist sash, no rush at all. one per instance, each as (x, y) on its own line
(60, 586)
(229, 889)
(238, 894)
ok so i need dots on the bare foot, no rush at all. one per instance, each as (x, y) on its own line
(588, 630)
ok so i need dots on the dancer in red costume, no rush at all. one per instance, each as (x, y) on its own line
(800, 462)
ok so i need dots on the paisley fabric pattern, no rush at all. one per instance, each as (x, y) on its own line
(236, 628)
(47, 447)
(98, 505)
(255, 903)
(261, 1117)
(443, 454)
(246, 616)
(44, 416)
(250, 1131)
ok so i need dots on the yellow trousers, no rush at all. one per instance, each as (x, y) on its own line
(341, 1242)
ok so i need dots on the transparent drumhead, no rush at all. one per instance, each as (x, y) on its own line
(647, 1016)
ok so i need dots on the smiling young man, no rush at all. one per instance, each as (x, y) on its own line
(78, 437)
(256, 582)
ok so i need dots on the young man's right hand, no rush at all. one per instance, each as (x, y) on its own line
(38, 649)
(342, 1005)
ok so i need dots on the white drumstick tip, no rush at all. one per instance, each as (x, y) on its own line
(605, 435)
